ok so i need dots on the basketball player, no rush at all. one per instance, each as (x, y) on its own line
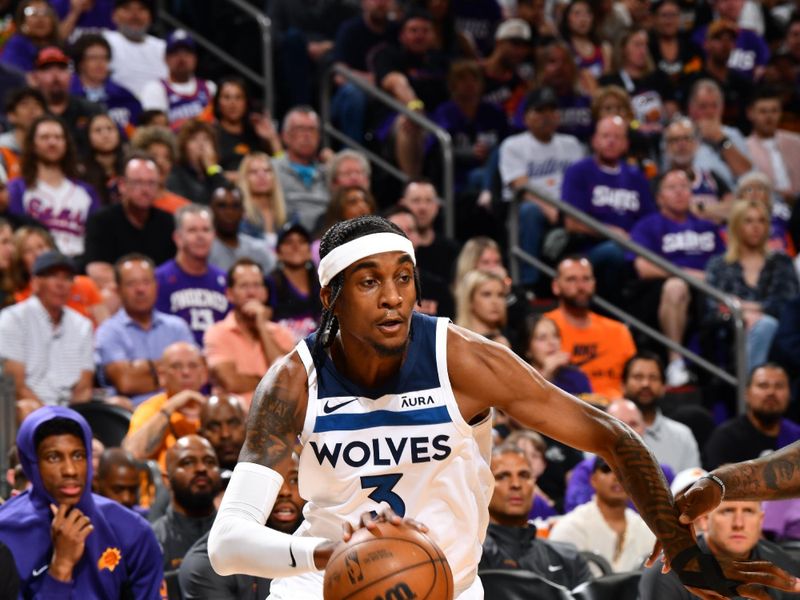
(392, 409)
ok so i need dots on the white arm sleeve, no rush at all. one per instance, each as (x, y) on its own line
(240, 543)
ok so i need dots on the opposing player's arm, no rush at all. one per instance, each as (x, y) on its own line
(239, 542)
(485, 374)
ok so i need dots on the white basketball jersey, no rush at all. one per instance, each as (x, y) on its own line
(405, 446)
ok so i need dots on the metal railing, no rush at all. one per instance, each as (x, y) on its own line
(445, 141)
(265, 79)
(730, 302)
(8, 425)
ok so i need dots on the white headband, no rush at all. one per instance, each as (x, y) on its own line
(341, 257)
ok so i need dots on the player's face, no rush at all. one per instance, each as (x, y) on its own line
(288, 509)
(489, 303)
(137, 287)
(733, 528)
(513, 489)
(644, 384)
(223, 426)
(574, 284)
(248, 284)
(675, 194)
(63, 467)
(375, 306)
(121, 485)
(768, 392)
(49, 142)
(195, 235)
(420, 198)
(545, 342)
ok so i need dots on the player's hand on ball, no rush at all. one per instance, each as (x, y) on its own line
(370, 520)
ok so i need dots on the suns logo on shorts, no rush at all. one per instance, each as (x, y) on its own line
(109, 559)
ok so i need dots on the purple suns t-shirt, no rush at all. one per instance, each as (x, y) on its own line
(617, 197)
(688, 244)
(198, 299)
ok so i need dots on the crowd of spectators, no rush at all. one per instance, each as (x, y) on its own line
(159, 235)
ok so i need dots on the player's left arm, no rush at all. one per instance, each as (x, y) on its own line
(485, 374)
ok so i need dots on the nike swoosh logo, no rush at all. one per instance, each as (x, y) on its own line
(328, 409)
(554, 568)
(292, 564)
(40, 570)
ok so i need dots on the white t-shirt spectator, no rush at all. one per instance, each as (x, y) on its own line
(135, 64)
(543, 164)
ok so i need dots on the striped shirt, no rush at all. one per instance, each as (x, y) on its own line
(54, 356)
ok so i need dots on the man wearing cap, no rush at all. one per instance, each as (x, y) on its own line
(241, 347)
(538, 157)
(51, 76)
(68, 542)
(293, 285)
(136, 57)
(512, 47)
(718, 46)
(47, 346)
(181, 95)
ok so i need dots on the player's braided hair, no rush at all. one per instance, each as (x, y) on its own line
(341, 233)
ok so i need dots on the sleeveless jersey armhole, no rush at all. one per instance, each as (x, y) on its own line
(444, 377)
(311, 376)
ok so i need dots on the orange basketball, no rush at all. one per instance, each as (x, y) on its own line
(392, 563)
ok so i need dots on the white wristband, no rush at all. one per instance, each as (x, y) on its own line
(718, 481)
(240, 543)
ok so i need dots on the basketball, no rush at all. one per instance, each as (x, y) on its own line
(392, 563)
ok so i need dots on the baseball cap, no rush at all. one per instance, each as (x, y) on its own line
(513, 29)
(293, 227)
(51, 55)
(600, 465)
(721, 26)
(52, 259)
(686, 478)
(542, 97)
(180, 39)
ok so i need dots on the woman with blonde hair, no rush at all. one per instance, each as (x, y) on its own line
(481, 305)
(762, 280)
(756, 185)
(264, 206)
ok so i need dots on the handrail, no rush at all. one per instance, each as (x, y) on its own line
(8, 423)
(729, 301)
(445, 141)
(266, 80)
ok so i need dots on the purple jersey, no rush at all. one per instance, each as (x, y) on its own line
(688, 244)
(62, 209)
(618, 197)
(749, 52)
(121, 105)
(198, 299)
(182, 108)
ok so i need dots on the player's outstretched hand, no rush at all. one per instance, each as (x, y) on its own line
(713, 577)
(370, 520)
(700, 498)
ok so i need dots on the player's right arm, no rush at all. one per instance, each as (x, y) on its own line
(772, 477)
(239, 541)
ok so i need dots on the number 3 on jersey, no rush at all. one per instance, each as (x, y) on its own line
(383, 485)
